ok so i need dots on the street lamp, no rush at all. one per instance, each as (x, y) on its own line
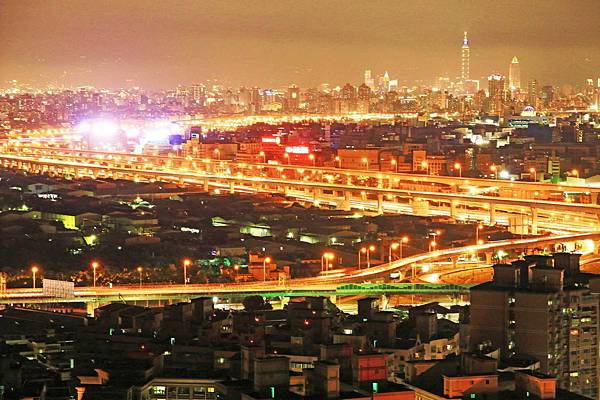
(370, 249)
(458, 167)
(95, 266)
(264, 156)
(217, 153)
(576, 173)
(186, 263)
(395, 164)
(34, 271)
(533, 174)
(365, 161)
(425, 166)
(140, 270)
(479, 227)
(432, 245)
(362, 250)
(287, 156)
(325, 260)
(494, 169)
(331, 258)
(393, 246)
(311, 157)
(404, 240)
(339, 161)
(265, 261)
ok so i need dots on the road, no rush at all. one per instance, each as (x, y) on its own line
(490, 201)
(322, 285)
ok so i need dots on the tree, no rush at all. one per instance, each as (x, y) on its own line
(255, 303)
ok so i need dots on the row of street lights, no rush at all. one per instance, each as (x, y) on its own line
(367, 250)
(326, 259)
(140, 270)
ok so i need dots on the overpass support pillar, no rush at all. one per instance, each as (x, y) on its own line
(232, 187)
(345, 203)
(380, 203)
(453, 209)
(492, 214)
(454, 262)
(534, 221)
(91, 306)
(316, 195)
(206, 185)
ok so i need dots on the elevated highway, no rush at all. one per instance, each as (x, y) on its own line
(368, 281)
(489, 201)
(537, 214)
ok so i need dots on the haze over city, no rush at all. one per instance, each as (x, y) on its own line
(157, 45)
(299, 200)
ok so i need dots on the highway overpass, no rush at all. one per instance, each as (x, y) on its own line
(368, 281)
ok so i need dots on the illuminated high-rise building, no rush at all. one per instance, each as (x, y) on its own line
(385, 83)
(496, 91)
(197, 93)
(540, 308)
(369, 81)
(534, 94)
(514, 75)
(465, 54)
(590, 90)
(547, 95)
(293, 98)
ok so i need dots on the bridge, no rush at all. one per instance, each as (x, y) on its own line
(187, 292)
(368, 281)
(486, 200)
(462, 199)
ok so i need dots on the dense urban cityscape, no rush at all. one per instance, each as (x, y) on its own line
(388, 236)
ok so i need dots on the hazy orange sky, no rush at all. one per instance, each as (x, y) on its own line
(159, 44)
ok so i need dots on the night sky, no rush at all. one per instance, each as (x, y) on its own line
(159, 44)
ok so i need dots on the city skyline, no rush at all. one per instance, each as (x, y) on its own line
(113, 44)
(338, 200)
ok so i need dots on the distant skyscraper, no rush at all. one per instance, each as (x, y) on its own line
(386, 82)
(197, 93)
(514, 75)
(533, 93)
(590, 90)
(465, 54)
(369, 81)
(547, 95)
(496, 91)
(293, 98)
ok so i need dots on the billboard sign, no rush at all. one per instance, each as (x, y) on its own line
(55, 288)
(297, 149)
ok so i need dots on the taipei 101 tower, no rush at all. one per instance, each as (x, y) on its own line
(465, 55)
